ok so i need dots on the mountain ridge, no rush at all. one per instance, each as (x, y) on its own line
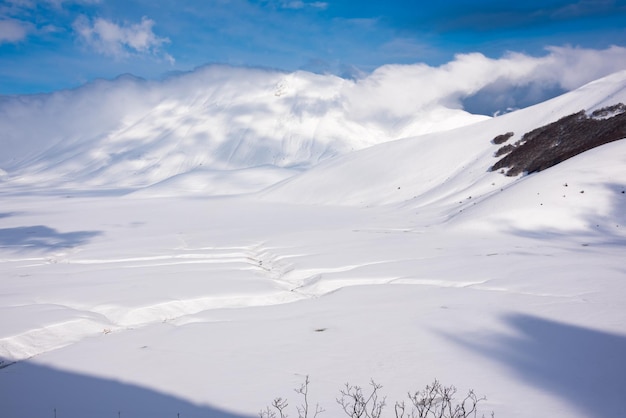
(416, 168)
(130, 133)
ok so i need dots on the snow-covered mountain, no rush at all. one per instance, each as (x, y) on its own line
(129, 133)
(440, 167)
(358, 242)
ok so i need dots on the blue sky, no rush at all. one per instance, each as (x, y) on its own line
(46, 45)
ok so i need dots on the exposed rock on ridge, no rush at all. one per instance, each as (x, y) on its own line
(551, 144)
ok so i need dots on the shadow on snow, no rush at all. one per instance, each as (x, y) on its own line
(7, 214)
(585, 367)
(41, 237)
(28, 389)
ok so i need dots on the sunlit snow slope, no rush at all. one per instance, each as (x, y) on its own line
(440, 168)
(195, 131)
(403, 260)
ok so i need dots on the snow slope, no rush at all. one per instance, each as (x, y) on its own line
(403, 262)
(129, 133)
(441, 167)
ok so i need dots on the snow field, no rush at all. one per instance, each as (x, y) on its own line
(403, 262)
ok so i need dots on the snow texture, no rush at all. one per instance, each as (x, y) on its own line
(197, 251)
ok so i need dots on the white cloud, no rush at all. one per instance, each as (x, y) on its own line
(32, 4)
(60, 3)
(20, 19)
(109, 38)
(573, 67)
(293, 5)
(12, 30)
(403, 90)
(298, 4)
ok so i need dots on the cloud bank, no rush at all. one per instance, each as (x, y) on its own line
(46, 45)
(131, 132)
(480, 84)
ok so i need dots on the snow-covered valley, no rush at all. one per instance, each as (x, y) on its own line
(168, 264)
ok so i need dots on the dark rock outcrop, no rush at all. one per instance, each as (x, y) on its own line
(556, 142)
(501, 139)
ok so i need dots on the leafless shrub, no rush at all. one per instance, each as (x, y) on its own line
(303, 409)
(434, 401)
(437, 401)
(278, 409)
(279, 405)
(357, 404)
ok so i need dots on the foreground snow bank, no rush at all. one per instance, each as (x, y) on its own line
(199, 306)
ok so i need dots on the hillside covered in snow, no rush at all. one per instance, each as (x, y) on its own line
(168, 249)
(201, 128)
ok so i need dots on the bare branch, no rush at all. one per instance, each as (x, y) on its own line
(399, 408)
(280, 404)
(267, 413)
(434, 401)
(357, 405)
(303, 409)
